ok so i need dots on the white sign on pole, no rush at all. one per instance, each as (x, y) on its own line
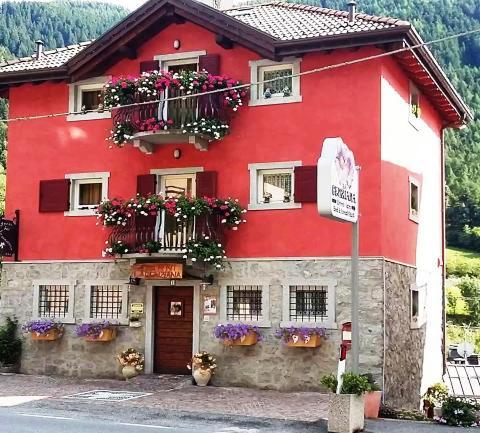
(337, 182)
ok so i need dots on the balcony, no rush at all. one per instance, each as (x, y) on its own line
(164, 235)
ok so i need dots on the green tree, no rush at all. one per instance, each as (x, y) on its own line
(470, 290)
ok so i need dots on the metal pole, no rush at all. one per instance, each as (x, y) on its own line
(355, 300)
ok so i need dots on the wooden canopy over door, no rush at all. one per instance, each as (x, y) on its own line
(173, 329)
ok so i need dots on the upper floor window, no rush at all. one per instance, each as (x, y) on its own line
(87, 190)
(277, 82)
(415, 111)
(272, 185)
(85, 96)
(414, 201)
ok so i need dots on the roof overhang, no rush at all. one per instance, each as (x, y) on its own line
(121, 41)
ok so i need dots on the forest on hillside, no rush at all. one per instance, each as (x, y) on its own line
(61, 23)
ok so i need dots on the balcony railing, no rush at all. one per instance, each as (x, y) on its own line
(170, 118)
(165, 233)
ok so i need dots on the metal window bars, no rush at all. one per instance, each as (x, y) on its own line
(308, 303)
(53, 301)
(244, 303)
(106, 302)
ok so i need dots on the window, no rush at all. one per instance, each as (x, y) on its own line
(245, 302)
(414, 199)
(415, 111)
(276, 83)
(310, 304)
(272, 185)
(107, 300)
(87, 95)
(417, 305)
(87, 190)
(54, 299)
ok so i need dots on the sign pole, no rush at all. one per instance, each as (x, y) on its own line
(355, 300)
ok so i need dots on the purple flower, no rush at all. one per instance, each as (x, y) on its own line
(235, 331)
(303, 332)
(93, 329)
(42, 326)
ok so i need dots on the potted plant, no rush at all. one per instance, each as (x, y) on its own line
(10, 347)
(346, 410)
(373, 397)
(203, 366)
(237, 334)
(132, 363)
(301, 336)
(98, 331)
(44, 329)
(433, 399)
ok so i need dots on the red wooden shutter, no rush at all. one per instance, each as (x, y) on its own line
(209, 63)
(149, 66)
(305, 184)
(54, 195)
(206, 184)
(146, 184)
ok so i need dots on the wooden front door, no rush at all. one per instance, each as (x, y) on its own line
(173, 329)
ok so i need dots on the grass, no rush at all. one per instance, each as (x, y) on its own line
(462, 263)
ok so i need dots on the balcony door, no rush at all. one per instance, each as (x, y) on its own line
(173, 234)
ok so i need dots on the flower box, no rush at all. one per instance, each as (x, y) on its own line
(107, 334)
(52, 335)
(312, 341)
(246, 340)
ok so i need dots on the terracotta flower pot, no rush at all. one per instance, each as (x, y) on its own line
(108, 334)
(247, 340)
(51, 335)
(129, 371)
(314, 341)
(201, 376)
(372, 403)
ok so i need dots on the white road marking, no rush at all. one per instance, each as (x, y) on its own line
(47, 416)
(143, 425)
(14, 400)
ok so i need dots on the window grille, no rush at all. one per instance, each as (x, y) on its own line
(106, 302)
(244, 303)
(282, 84)
(53, 301)
(308, 303)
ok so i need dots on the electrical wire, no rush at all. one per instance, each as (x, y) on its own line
(251, 84)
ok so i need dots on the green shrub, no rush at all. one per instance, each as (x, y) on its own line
(354, 384)
(330, 382)
(459, 412)
(10, 345)
(436, 394)
(470, 290)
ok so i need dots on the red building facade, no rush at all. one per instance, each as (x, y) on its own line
(391, 111)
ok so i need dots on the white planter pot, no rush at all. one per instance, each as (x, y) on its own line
(437, 412)
(345, 413)
(202, 377)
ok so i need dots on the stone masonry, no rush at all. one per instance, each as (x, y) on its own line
(268, 365)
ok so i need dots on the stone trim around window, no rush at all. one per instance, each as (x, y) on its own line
(330, 323)
(264, 321)
(70, 317)
(96, 177)
(75, 103)
(254, 170)
(123, 319)
(418, 296)
(257, 99)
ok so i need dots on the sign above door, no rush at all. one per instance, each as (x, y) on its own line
(158, 271)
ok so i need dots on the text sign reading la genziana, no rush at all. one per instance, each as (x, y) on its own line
(337, 182)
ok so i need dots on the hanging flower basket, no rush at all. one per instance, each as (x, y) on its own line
(238, 334)
(301, 337)
(97, 332)
(44, 330)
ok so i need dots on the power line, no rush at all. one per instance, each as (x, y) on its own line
(256, 83)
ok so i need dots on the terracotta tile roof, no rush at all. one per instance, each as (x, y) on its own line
(290, 21)
(51, 59)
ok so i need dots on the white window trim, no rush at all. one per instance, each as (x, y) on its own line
(264, 322)
(254, 169)
(96, 177)
(420, 320)
(412, 119)
(74, 103)
(178, 58)
(412, 216)
(256, 99)
(123, 319)
(331, 322)
(69, 318)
